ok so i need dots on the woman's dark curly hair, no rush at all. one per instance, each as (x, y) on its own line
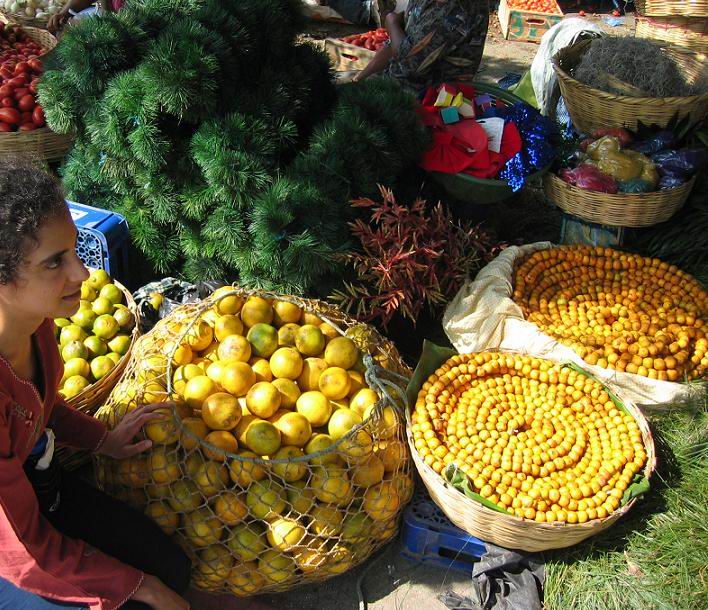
(28, 197)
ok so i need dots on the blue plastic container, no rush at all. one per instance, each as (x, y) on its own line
(428, 536)
(103, 239)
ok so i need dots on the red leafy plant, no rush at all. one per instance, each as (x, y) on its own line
(409, 257)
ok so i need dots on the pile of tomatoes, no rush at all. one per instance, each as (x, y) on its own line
(372, 40)
(536, 6)
(20, 69)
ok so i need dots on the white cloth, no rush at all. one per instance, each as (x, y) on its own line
(543, 77)
(46, 458)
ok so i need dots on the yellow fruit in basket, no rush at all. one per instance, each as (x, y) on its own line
(289, 392)
(120, 344)
(163, 464)
(381, 502)
(385, 425)
(339, 404)
(363, 400)
(339, 559)
(331, 485)
(184, 496)
(358, 447)
(228, 325)
(237, 378)
(88, 293)
(154, 392)
(105, 327)
(295, 429)
(193, 463)
(112, 293)
(215, 370)
(263, 339)
(163, 431)
(245, 579)
(77, 366)
(261, 367)
(327, 520)
(330, 332)
(214, 563)
(263, 399)
(341, 352)
(393, 454)
(200, 336)
(341, 422)
(74, 385)
(404, 485)
(247, 541)
(202, 528)
(234, 348)
(286, 335)
(76, 350)
(182, 375)
(292, 471)
(357, 382)
(197, 390)
(96, 347)
(158, 492)
(266, 499)
(315, 407)
(356, 527)
(310, 560)
(210, 317)
(164, 516)
(227, 305)
(115, 357)
(310, 318)
(312, 369)
(70, 333)
(244, 472)
(220, 411)
(240, 430)
(225, 443)
(152, 368)
(284, 534)
(211, 352)
(300, 497)
(286, 313)
(368, 473)
(100, 307)
(98, 278)
(287, 363)
(125, 318)
(210, 477)
(262, 437)
(181, 354)
(309, 340)
(383, 530)
(230, 507)
(256, 310)
(322, 442)
(276, 568)
(334, 383)
(134, 472)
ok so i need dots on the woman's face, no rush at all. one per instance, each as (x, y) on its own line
(49, 281)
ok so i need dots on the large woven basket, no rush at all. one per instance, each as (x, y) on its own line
(620, 210)
(686, 32)
(25, 21)
(513, 532)
(688, 8)
(592, 108)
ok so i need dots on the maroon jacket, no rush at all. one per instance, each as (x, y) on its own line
(35, 556)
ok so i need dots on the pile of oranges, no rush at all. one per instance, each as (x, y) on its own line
(538, 439)
(617, 310)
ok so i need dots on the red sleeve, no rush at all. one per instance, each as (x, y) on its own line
(37, 558)
(75, 428)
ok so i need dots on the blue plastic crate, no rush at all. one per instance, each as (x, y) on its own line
(428, 536)
(103, 239)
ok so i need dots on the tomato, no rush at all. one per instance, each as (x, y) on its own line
(26, 103)
(4, 127)
(7, 91)
(7, 102)
(20, 92)
(18, 81)
(26, 117)
(28, 127)
(5, 72)
(36, 65)
(10, 115)
(33, 87)
(38, 116)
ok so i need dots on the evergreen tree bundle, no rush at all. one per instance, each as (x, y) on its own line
(221, 140)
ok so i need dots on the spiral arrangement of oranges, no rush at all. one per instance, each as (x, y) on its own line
(617, 310)
(540, 440)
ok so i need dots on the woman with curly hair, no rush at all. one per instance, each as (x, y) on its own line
(65, 544)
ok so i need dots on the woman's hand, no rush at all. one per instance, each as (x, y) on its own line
(159, 596)
(119, 443)
(58, 19)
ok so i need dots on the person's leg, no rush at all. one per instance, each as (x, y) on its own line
(14, 598)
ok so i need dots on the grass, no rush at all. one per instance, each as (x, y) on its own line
(656, 557)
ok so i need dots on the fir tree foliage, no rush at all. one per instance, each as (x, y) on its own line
(221, 139)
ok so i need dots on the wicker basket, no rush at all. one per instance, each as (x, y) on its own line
(513, 532)
(688, 8)
(24, 21)
(686, 32)
(39, 35)
(620, 210)
(592, 109)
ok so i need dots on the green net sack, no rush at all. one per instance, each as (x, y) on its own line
(284, 460)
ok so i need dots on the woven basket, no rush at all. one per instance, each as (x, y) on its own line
(688, 8)
(685, 32)
(592, 109)
(24, 21)
(513, 532)
(39, 35)
(620, 210)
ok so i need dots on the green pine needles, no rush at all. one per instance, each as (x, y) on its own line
(223, 141)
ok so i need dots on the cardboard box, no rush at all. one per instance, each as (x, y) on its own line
(525, 26)
(347, 57)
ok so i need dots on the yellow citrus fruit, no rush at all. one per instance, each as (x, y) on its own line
(295, 429)
(309, 340)
(292, 471)
(327, 520)
(357, 382)
(227, 305)
(164, 516)
(387, 424)
(134, 472)
(356, 527)
(362, 400)
(224, 441)
(200, 336)
(163, 463)
(193, 463)
(197, 390)
(262, 437)
(244, 472)
(202, 528)
(230, 508)
(393, 454)
(158, 492)
(309, 379)
(289, 392)
(381, 502)
(358, 447)
(182, 375)
(309, 560)
(322, 442)
(286, 313)
(329, 331)
(163, 431)
(214, 371)
(339, 559)
(228, 325)
(202, 363)
(181, 354)
(263, 339)
(182, 409)
(368, 473)
(261, 367)
(341, 352)
(315, 407)
(266, 499)
(286, 335)
(237, 378)
(247, 541)
(184, 496)
(210, 317)
(221, 411)
(285, 534)
(286, 362)
(334, 383)
(339, 404)
(245, 579)
(404, 486)
(341, 422)
(256, 310)
(211, 353)
(310, 318)
(240, 430)
(154, 392)
(276, 568)
(153, 367)
(300, 497)
(214, 564)
(211, 477)
(383, 530)
(331, 485)
(263, 399)
(273, 419)
(234, 347)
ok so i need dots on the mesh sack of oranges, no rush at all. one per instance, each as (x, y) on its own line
(636, 322)
(522, 451)
(284, 460)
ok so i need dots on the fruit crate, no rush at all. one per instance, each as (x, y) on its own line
(429, 537)
(347, 57)
(103, 239)
(526, 26)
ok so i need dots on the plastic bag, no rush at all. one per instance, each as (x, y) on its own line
(659, 141)
(601, 148)
(619, 166)
(671, 180)
(636, 185)
(589, 178)
(622, 135)
(686, 161)
(649, 171)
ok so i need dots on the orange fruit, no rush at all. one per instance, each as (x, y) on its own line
(341, 352)
(286, 363)
(263, 399)
(224, 441)
(163, 431)
(329, 331)
(262, 437)
(240, 430)
(331, 485)
(237, 378)
(289, 392)
(357, 382)
(315, 407)
(285, 534)
(244, 472)
(197, 390)
(322, 442)
(221, 411)
(295, 429)
(381, 502)
(227, 304)
(362, 400)
(197, 427)
(290, 471)
(228, 325)
(368, 473)
(286, 334)
(256, 310)
(341, 422)
(200, 336)
(310, 318)
(230, 508)
(261, 367)
(334, 383)
(309, 340)
(312, 369)
(286, 313)
(263, 339)
(234, 347)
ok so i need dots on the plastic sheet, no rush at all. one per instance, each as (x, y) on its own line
(685, 162)
(659, 141)
(589, 178)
